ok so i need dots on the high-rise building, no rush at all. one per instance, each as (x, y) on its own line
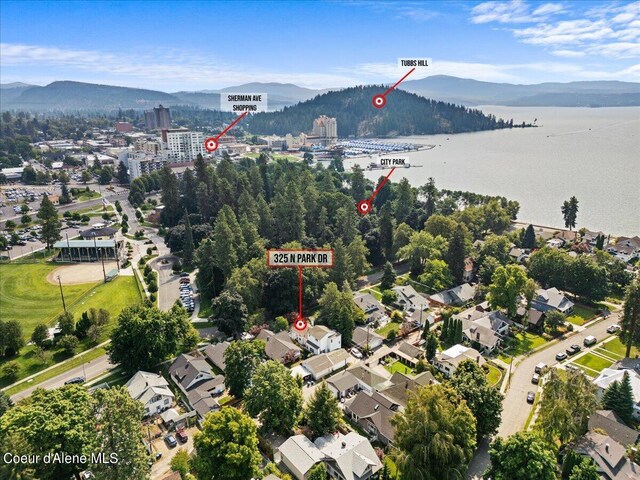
(183, 145)
(158, 118)
(325, 127)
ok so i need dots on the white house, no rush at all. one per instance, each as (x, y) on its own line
(347, 457)
(320, 366)
(410, 299)
(191, 373)
(321, 339)
(152, 391)
(372, 308)
(625, 248)
(447, 362)
(551, 299)
(610, 375)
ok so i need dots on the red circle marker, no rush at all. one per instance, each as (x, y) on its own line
(379, 101)
(364, 207)
(211, 144)
(300, 324)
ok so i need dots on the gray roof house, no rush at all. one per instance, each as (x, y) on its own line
(409, 298)
(348, 457)
(366, 336)
(551, 299)
(372, 308)
(343, 383)
(608, 455)
(373, 413)
(191, 373)
(483, 329)
(608, 421)
(456, 296)
(215, 353)
(278, 346)
(152, 390)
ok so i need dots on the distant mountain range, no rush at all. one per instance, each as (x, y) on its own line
(78, 96)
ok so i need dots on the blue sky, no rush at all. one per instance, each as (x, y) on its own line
(191, 45)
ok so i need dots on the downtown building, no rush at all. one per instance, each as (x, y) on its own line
(325, 127)
(157, 119)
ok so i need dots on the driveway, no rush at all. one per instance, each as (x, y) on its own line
(163, 465)
(168, 283)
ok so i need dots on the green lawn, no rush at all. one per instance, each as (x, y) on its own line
(113, 296)
(593, 362)
(373, 291)
(494, 374)
(384, 331)
(26, 296)
(399, 367)
(522, 343)
(581, 313)
(205, 310)
(618, 348)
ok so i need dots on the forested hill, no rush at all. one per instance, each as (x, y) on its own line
(404, 114)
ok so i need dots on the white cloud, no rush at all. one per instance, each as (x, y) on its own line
(607, 30)
(167, 68)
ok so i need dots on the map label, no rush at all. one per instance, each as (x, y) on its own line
(300, 258)
(243, 102)
(404, 63)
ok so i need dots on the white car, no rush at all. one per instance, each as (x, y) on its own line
(356, 353)
(613, 328)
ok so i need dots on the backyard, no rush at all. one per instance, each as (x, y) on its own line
(580, 314)
(399, 367)
(384, 331)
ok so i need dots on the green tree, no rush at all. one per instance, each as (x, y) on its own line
(5, 403)
(180, 463)
(550, 267)
(10, 370)
(358, 183)
(437, 275)
(506, 286)
(529, 238)
(484, 401)
(587, 279)
(342, 270)
(619, 398)
(568, 401)
(170, 198)
(280, 324)
(553, 319)
(386, 232)
(388, 297)
(388, 280)
(66, 323)
(323, 413)
(118, 431)
(318, 472)
(585, 470)
(435, 435)
(339, 311)
(405, 200)
(230, 313)
(40, 334)
(358, 251)
(227, 447)
(521, 456)
(529, 291)
(85, 176)
(457, 252)
(51, 226)
(487, 269)
(241, 360)
(630, 321)
(68, 343)
(570, 212)
(163, 332)
(275, 397)
(11, 340)
(187, 249)
(422, 247)
(431, 345)
(496, 246)
(229, 248)
(51, 421)
(288, 214)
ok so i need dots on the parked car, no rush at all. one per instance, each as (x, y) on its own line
(75, 380)
(183, 437)
(590, 340)
(531, 396)
(171, 441)
(573, 349)
(613, 328)
(184, 274)
(535, 379)
(356, 353)
(539, 367)
(561, 356)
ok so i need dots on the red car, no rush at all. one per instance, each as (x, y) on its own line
(183, 437)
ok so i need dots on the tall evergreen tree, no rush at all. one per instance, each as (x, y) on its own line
(631, 317)
(456, 253)
(358, 252)
(619, 398)
(386, 231)
(358, 183)
(190, 192)
(388, 279)
(170, 197)
(188, 248)
(50, 224)
(384, 194)
(288, 214)
(405, 199)
(342, 270)
(570, 212)
(529, 237)
(322, 413)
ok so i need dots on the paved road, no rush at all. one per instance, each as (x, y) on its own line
(168, 283)
(89, 370)
(375, 277)
(515, 407)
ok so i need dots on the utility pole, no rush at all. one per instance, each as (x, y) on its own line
(64, 307)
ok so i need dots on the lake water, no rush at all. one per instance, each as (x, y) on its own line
(592, 153)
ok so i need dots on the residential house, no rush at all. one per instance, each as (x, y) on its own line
(370, 380)
(454, 297)
(409, 299)
(189, 373)
(320, 366)
(609, 456)
(551, 299)
(374, 311)
(202, 402)
(365, 337)
(518, 255)
(279, 347)
(406, 353)
(347, 457)
(321, 339)
(343, 384)
(447, 362)
(373, 413)
(483, 329)
(399, 386)
(152, 390)
(469, 270)
(555, 243)
(591, 238)
(215, 354)
(625, 248)
(609, 422)
(609, 375)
